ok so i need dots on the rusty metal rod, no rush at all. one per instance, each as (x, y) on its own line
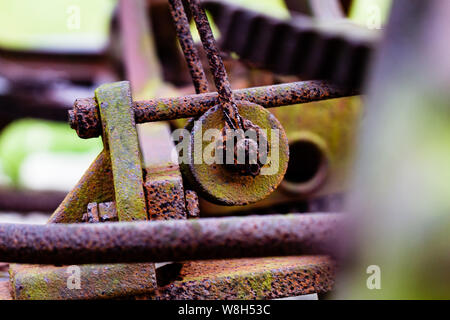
(187, 45)
(85, 119)
(223, 86)
(212, 51)
(177, 240)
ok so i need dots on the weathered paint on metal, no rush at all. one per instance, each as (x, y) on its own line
(120, 139)
(216, 182)
(96, 185)
(175, 240)
(37, 282)
(260, 278)
(196, 105)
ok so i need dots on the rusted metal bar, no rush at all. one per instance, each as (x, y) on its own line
(121, 141)
(217, 67)
(105, 281)
(209, 44)
(177, 240)
(96, 185)
(84, 117)
(187, 44)
(255, 278)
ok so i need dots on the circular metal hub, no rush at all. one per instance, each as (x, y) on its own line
(213, 180)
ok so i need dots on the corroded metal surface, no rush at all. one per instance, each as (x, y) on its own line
(120, 139)
(83, 113)
(331, 126)
(338, 51)
(192, 206)
(220, 185)
(261, 278)
(96, 185)
(107, 212)
(164, 193)
(196, 105)
(167, 206)
(223, 86)
(176, 240)
(163, 185)
(37, 282)
(187, 44)
(101, 212)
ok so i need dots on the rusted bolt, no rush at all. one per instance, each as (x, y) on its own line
(85, 118)
(247, 156)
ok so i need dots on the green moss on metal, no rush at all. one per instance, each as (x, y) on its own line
(257, 285)
(120, 138)
(219, 185)
(96, 185)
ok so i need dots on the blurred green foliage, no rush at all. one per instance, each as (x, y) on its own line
(44, 24)
(26, 136)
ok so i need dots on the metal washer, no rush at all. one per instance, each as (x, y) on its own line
(221, 186)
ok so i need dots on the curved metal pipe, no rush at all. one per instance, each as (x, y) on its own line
(178, 240)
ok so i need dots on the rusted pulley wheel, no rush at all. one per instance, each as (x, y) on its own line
(216, 182)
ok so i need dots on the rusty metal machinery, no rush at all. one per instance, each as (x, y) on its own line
(136, 178)
(338, 50)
